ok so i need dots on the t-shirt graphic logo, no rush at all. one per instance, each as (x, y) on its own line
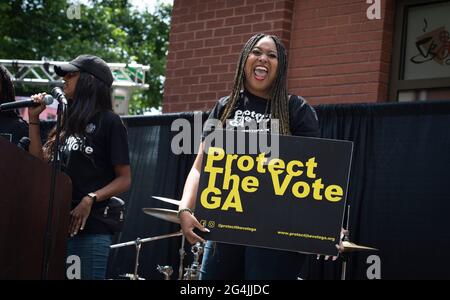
(247, 116)
(75, 143)
(90, 128)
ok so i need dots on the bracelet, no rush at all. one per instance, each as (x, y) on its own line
(183, 210)
(34, 123)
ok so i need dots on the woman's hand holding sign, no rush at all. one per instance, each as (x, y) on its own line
(344, 234)
(188, 222)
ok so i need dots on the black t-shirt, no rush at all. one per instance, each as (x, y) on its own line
(89, 160)
(250, 108)
(12, 127)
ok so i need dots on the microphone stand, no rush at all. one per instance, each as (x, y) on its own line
(56, 166)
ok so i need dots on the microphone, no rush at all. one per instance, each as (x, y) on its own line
(24, 143)
(59, 95)
(48, 99)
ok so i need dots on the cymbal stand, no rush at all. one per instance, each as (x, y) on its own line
(344, 256)
(136, 264)
(182, 254)
(193, 272)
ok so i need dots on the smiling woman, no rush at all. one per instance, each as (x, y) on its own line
(261, 74)
(261, 68)
(259, 94)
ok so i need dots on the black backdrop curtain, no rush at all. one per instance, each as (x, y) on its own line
(398, 193)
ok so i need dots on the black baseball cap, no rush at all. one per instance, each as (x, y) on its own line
(90, 64)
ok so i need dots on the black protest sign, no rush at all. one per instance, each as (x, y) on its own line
(294, 201)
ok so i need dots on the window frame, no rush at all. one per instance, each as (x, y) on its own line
(399, 49)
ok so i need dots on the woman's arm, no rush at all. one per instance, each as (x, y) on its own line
(34, 131)
(192, 182)
(120, 184)
(187, 221)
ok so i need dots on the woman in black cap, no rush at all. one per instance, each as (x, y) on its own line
(12, 126)
(94, 153)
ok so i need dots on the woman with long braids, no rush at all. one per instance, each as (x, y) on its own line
(12, 126)
(94, 153)
(259, 94)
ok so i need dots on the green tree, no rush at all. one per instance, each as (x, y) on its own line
(111, 29)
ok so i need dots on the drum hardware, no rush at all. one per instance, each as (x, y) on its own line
(350, 247)
(131, 276)
(168, 200)
(182, 254)
(163, 214)
(166, 271)
(138, 243)
(171, 215)
(193, 272)
(181, 251)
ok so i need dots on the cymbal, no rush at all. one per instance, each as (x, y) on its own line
(163, 214)
(349, 247)
(168, 200)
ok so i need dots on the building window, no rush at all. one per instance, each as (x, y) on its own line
(421, 61)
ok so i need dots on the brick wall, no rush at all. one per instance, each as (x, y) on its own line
(205, 41)
(337, 54)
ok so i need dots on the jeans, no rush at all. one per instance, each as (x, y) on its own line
(93, 251)
(235, 262)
